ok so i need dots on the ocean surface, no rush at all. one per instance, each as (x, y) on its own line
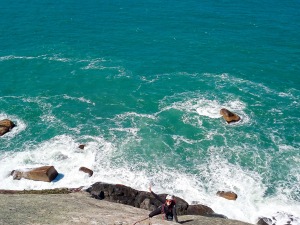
(141, 84)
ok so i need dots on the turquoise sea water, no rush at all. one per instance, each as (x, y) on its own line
(141, 84)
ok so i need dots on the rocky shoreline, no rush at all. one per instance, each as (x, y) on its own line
(34, 206)
(75, 206)
(113, 193)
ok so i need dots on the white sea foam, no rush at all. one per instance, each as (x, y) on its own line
(195, 120)
(63, 153)
(55, 57)
(12, 57)
(81, 99)
(146, 79)
(204, 107)
(46, 108)
(212, 108)
(97, 64)
(133, 131)
(209, 108)
(132, 115)
(58, 58)
(284, 218)
(251, 202)
(216, 174)
(92, 63)
(179, 139)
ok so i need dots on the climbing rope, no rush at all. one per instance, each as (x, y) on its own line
(140, 221)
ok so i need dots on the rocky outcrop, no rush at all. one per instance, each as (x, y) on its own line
(114, 193)
(199, 210)
(229, 116)
(80, 208)
(227, 194)
(141, 199)
(44, 173)
(86, 170)
(43, 191)
(264, 221)
(5, 126)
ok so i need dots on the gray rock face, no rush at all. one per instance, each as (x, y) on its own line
(80, 208)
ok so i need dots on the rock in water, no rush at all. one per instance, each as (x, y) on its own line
(5, 126)
(86, 170)
(227, 194)
(44, 173)
(81, 146)
(229, 116)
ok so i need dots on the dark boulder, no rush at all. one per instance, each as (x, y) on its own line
(201, 210)
(81, 146)
(114, 193)
(144, 200)
(129, 196)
